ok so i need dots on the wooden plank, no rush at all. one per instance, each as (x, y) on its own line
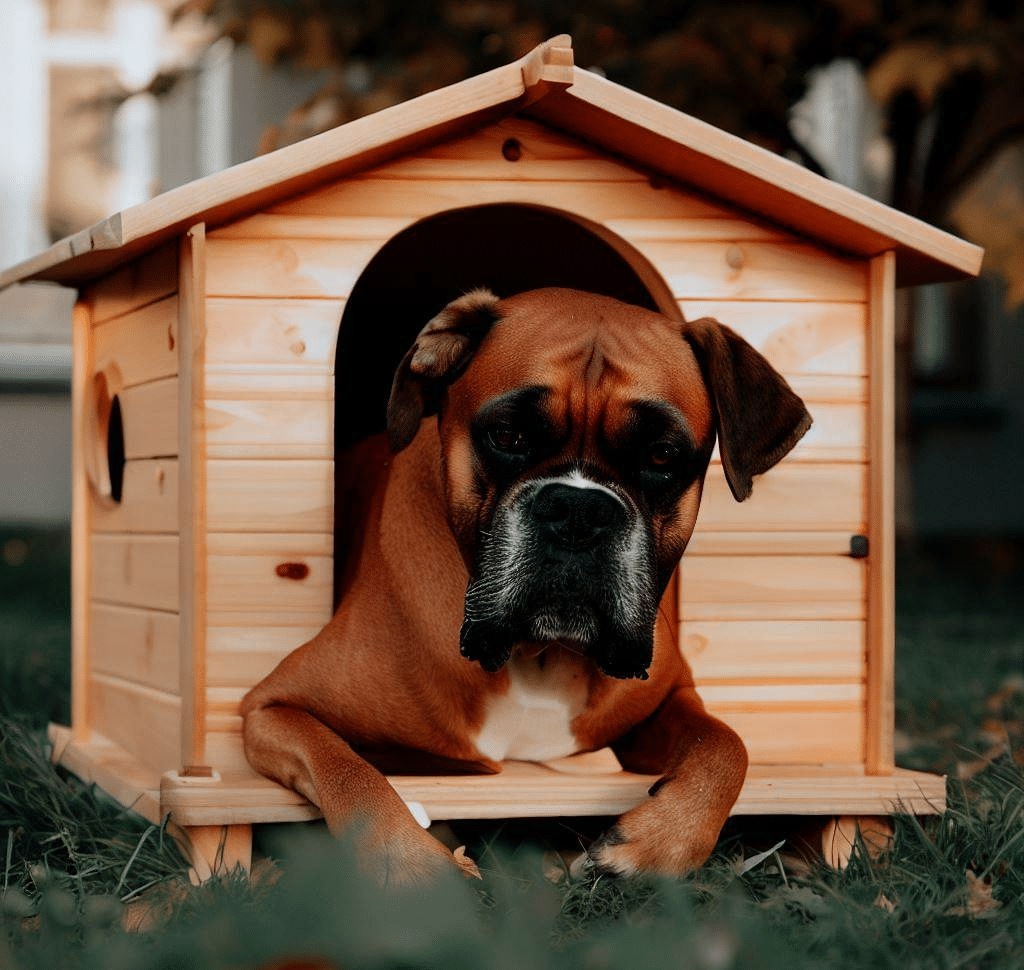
(524, 790)
(796, 696)
(730, 226)
(881, 520)
(97, 760)
(260, 579)
(830, 388)
(790, 497)
(192, 515)
(149, 499)
(325, 268)
(81, 515)
(799, 737)
(241, 656)
(150, 416)
(838, 434)
(540, 154)
(141, 345)
(797, 338)
(135, 570)
(145, 280)
(137, 645)
(270, 496)
(772, 588)
(278, 333)
(771, 649)
(817, 543)
(143, 721)
(411, 198)
(265, 225)
(756, 271)
(296, 421)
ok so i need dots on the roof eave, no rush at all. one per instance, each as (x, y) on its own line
(696, 153)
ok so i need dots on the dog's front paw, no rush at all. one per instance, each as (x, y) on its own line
(656, 838)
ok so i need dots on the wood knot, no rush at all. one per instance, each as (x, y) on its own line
(170, 337)
(293, 570)
(298, 348)
(734, 257)
(512, 149)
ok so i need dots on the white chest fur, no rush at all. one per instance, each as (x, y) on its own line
(531, 722)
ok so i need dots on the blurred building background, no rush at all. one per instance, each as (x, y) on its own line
(104, 103)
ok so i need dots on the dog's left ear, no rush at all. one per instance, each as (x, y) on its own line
(760, 419)
(442, 351)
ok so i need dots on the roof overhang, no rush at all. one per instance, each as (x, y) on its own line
(546, 86)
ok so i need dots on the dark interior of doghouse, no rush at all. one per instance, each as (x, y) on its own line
(506, 248)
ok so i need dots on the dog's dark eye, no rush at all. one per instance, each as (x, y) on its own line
(661, 455)
(507, 439)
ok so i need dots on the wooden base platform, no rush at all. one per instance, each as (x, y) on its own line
(583, 785)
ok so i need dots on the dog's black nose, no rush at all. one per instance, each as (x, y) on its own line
(576, 518)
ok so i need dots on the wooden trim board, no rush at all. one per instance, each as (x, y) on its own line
(81, 519)
(881, 571)
(192, 559)
(520, 791)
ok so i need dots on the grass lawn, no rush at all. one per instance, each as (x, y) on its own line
(80, 876)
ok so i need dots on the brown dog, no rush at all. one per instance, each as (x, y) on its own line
(499, 597)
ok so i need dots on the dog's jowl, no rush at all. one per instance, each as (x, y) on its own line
(508, 543)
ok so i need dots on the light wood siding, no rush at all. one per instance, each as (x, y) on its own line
(277, 283)
(130, 683)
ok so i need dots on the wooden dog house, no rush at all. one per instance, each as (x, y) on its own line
(208, 365)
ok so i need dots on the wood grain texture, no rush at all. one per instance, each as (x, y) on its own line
(772, 588)
(141, 345)
(270, 496)
(790, 497)
(149, 413)
(781, 543)
(324, 268)
(149, 499)
(135, 570)
(287, 334)
(541, 155)
(366, 196)
(526, 790)
(768, 650)
(97, 760)
(82, 498)
(241, 656)
(251, 416)
(192, 499)
(143, 721)
(262, 579)
(881, 619)
(755, 270)
(135, 644)
(145, 280)
(797, 338)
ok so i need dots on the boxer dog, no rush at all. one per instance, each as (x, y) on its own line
(499, 596)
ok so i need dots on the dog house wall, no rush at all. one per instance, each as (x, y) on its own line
(773, 609)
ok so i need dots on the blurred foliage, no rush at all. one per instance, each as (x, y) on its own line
(947, 75)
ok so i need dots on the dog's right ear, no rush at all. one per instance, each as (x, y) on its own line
(442, 351)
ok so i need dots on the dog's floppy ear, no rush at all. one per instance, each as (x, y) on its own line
(760, 419)
(442, 351)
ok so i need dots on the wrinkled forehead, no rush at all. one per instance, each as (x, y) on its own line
(593, 353)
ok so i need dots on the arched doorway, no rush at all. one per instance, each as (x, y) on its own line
(508, 248)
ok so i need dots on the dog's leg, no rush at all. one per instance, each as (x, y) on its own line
(703, 764)
(294, 748)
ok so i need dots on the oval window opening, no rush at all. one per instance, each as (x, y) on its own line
(115, 449)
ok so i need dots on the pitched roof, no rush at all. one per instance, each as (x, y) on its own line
(544, 85)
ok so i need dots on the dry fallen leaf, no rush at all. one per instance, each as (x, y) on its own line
(884, 902)
(980, 903)
(466, 864)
